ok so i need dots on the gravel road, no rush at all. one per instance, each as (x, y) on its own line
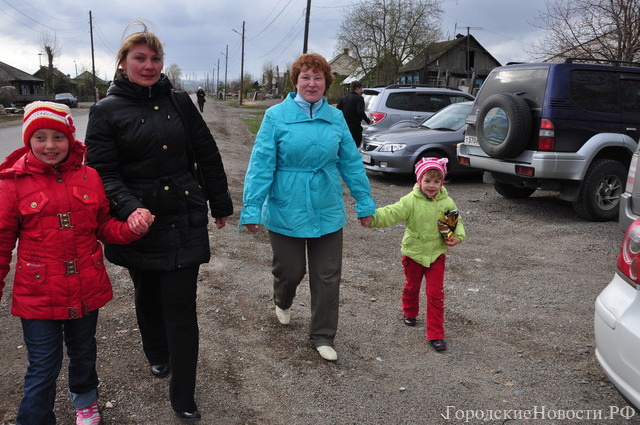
(519, 321)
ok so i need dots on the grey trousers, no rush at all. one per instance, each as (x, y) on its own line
(325, 268)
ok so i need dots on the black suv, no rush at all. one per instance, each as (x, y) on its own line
(569, 126)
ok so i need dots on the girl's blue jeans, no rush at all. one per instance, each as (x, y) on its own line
(44, 341)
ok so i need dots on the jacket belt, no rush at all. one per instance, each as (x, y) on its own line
(72, 266)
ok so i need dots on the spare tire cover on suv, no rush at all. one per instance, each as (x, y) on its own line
(503, 125)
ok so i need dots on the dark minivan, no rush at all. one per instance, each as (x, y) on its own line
(569, 126)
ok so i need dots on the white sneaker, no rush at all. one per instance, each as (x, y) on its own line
(88, 416)
(284, 316)
(327, 353)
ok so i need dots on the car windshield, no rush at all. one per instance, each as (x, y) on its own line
(450, 118)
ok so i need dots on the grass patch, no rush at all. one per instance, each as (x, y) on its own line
(10, 118)
(253, 123)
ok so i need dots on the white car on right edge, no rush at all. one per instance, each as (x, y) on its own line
(617, 320)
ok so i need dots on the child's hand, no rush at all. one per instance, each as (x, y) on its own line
(365, 221)
(140, 220)
(452, 241)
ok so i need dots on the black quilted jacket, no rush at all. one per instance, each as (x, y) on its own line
(137, 139)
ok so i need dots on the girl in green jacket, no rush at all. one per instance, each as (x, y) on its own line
(424, 244)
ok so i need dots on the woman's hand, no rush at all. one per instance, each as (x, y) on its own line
(140, 221)
(220, 222)
(365, 221)
(253, 228)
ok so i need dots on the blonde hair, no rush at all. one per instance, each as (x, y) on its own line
(140, 37)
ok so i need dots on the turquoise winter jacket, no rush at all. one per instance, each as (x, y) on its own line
(421, 241)
(293, 184)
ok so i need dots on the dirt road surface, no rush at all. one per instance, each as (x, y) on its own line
(519, 321)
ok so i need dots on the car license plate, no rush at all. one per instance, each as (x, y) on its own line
(471, 140)
(366, 158)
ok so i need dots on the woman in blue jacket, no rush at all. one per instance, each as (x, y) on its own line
(302, 154)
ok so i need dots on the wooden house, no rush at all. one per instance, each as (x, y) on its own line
(462, 63)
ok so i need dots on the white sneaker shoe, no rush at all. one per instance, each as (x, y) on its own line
(88, 416)
(327, 353)
(284, 316)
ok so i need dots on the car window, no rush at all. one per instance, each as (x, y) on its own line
(630, 92)
(595, 91)
(370, 97)
(400, 100)
(529, 83)
(426, 102)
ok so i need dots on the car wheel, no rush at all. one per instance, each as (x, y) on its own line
(504, 125)
(599, 197)
(512, 192)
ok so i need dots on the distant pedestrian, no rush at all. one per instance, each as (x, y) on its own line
(352, 106)
(432, 226)
(200, 94)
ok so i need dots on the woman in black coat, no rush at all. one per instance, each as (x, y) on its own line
(143, 139)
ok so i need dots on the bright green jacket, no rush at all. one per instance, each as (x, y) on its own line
(422, 241)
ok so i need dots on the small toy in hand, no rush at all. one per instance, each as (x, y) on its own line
(447, 223)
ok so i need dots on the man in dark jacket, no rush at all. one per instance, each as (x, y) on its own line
(352, 107)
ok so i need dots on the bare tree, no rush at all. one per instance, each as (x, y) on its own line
(384, 34)
(595, 29)
(174, 74)
(268, 75)
(49, 44)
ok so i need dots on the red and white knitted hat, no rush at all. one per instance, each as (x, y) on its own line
(52, 115)
(425, 164)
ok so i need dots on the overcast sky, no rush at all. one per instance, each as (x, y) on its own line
(196, 33)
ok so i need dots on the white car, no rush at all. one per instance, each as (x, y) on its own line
(617, 320)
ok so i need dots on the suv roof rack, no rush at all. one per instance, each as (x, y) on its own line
(609, 61)
(413, 86)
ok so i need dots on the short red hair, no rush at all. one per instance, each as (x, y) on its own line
(314, 62)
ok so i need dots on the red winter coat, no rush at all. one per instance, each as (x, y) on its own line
(57, 214)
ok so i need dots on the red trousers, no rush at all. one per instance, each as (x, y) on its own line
(434, 288)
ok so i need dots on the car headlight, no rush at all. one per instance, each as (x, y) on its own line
(392, 147)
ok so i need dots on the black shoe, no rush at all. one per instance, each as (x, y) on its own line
(188, 416)
(160, 370)
(438, 344)
(409, 321)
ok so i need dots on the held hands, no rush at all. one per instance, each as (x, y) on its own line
(365, 221)
(140, 221)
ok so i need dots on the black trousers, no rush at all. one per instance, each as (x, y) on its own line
(166, 312)
(356, 132)
(325, 269)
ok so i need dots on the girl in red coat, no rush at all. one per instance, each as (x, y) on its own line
(55, 206)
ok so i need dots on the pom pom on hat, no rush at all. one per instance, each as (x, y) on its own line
(51, 115)
(430, 163)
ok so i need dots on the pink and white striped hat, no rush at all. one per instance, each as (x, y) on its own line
(425, 164)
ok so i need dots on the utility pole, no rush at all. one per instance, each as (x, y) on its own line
(218, 79)
(226, 59)
(306, 27)
(93, 61)
(241, 65)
